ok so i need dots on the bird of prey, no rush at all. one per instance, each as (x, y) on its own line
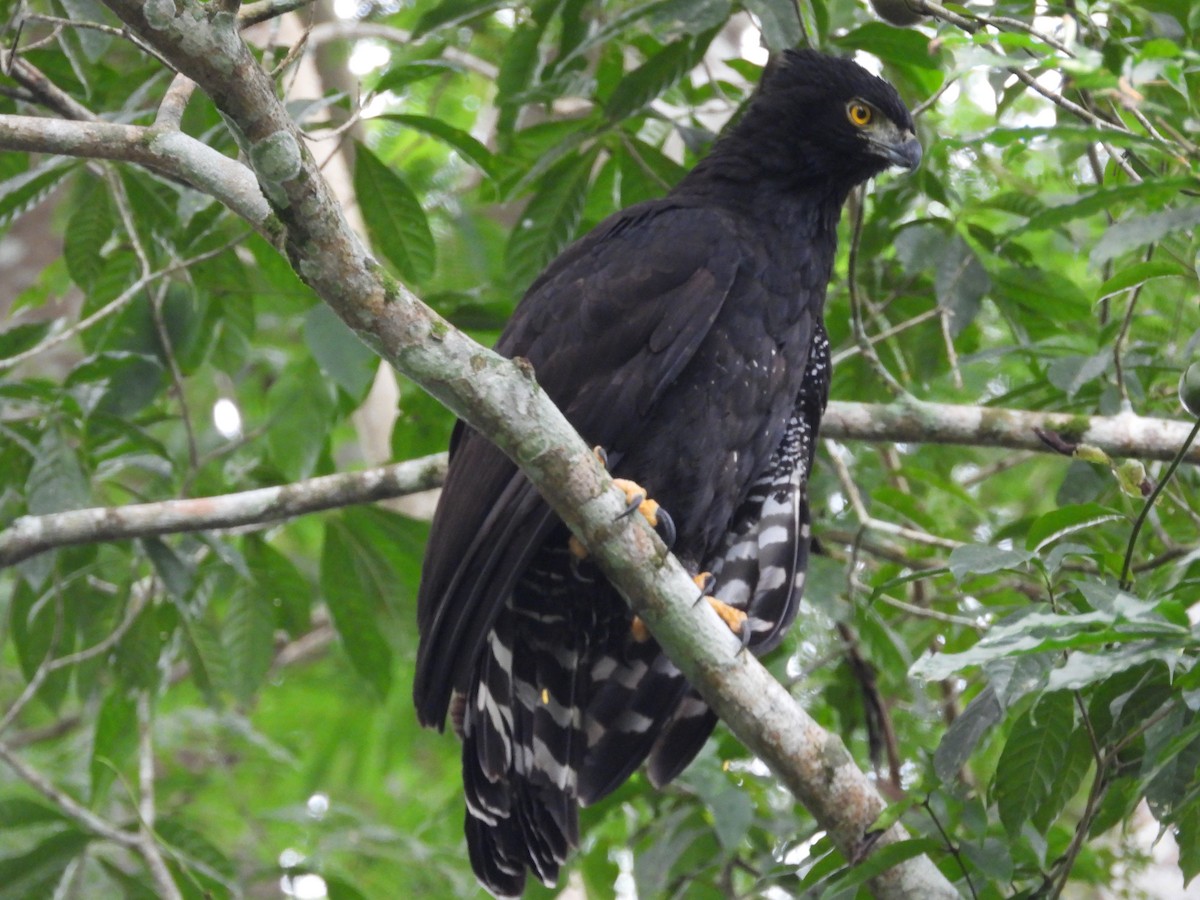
(683, 336)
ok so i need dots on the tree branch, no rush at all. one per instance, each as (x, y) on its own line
(906, 421)
(917, 422)
(161, 148)
(30, 535)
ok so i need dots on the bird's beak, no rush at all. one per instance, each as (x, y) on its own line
(903, 150)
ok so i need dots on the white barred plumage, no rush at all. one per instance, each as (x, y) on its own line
(685, 337)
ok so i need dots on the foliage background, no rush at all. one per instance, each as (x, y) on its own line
(1040, 259)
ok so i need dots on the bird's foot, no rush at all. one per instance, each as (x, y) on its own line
(636, 500)
(730, 615)
(638, 630)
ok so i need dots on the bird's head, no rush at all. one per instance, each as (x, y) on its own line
(820, 118)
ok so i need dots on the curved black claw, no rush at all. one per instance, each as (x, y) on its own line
(666, 527)
(744, 636)
(632, 503)
(577, 572)
(706, 582)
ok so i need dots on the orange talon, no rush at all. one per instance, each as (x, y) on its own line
(636, 499)
(638, 630)
(732, 617)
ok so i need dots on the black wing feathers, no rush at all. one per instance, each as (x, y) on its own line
(685, 337)
(649, 296)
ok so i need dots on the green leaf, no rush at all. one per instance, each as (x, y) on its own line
(960, 284)
(1033, 759)
(351, 596)
(249, 639)
(651, 78)
(1138, 274)
(646, 173)
(898, 45)
(1187, 836)
(340, 889)
(18, 812)
(519, 67)
(37, 872)
(206, 866)
(1029, 632)
(176, 574)
(339, 351)
(278, 580)
(114, 741)
(136, 660)
(965, 733)
(1043, 293)
(976, 559)
(404, 74)
(206, 656)
(845, 885)
(20, 338)
(779, 22)
(1082, 669)
(470, 149)
(395, 221)
(131, 887)
(299, 428)
(88, 229)
(1075, 764)
(57, 481)
(451, 12)
(1131, 234)
(993, 858)
(1071, 373)
(22, 191)
(1059, 523)
(1103, 199)
(548, 223)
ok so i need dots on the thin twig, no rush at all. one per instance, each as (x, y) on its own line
(1070, 106)
(1123, 334)
(76, 23)
(1126, 580)
(174, 102)
(856, 317)
(922, 107)
(30, 535)
(950, 845)
(265, 10)
(890, 332)
(50, 666)
(933, 614)
(46, 91)
(168, 347)
(113, 306)
(66, 803)
(1119, 158)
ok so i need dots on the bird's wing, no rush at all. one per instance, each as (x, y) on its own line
(607, 327)
(761, 566)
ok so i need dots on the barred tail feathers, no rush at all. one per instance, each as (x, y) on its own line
(522, 746)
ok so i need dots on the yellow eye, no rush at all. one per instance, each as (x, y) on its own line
(859, 113)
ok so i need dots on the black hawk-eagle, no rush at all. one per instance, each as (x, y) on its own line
(683, 336)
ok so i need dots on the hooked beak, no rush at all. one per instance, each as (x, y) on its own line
(900, 149)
